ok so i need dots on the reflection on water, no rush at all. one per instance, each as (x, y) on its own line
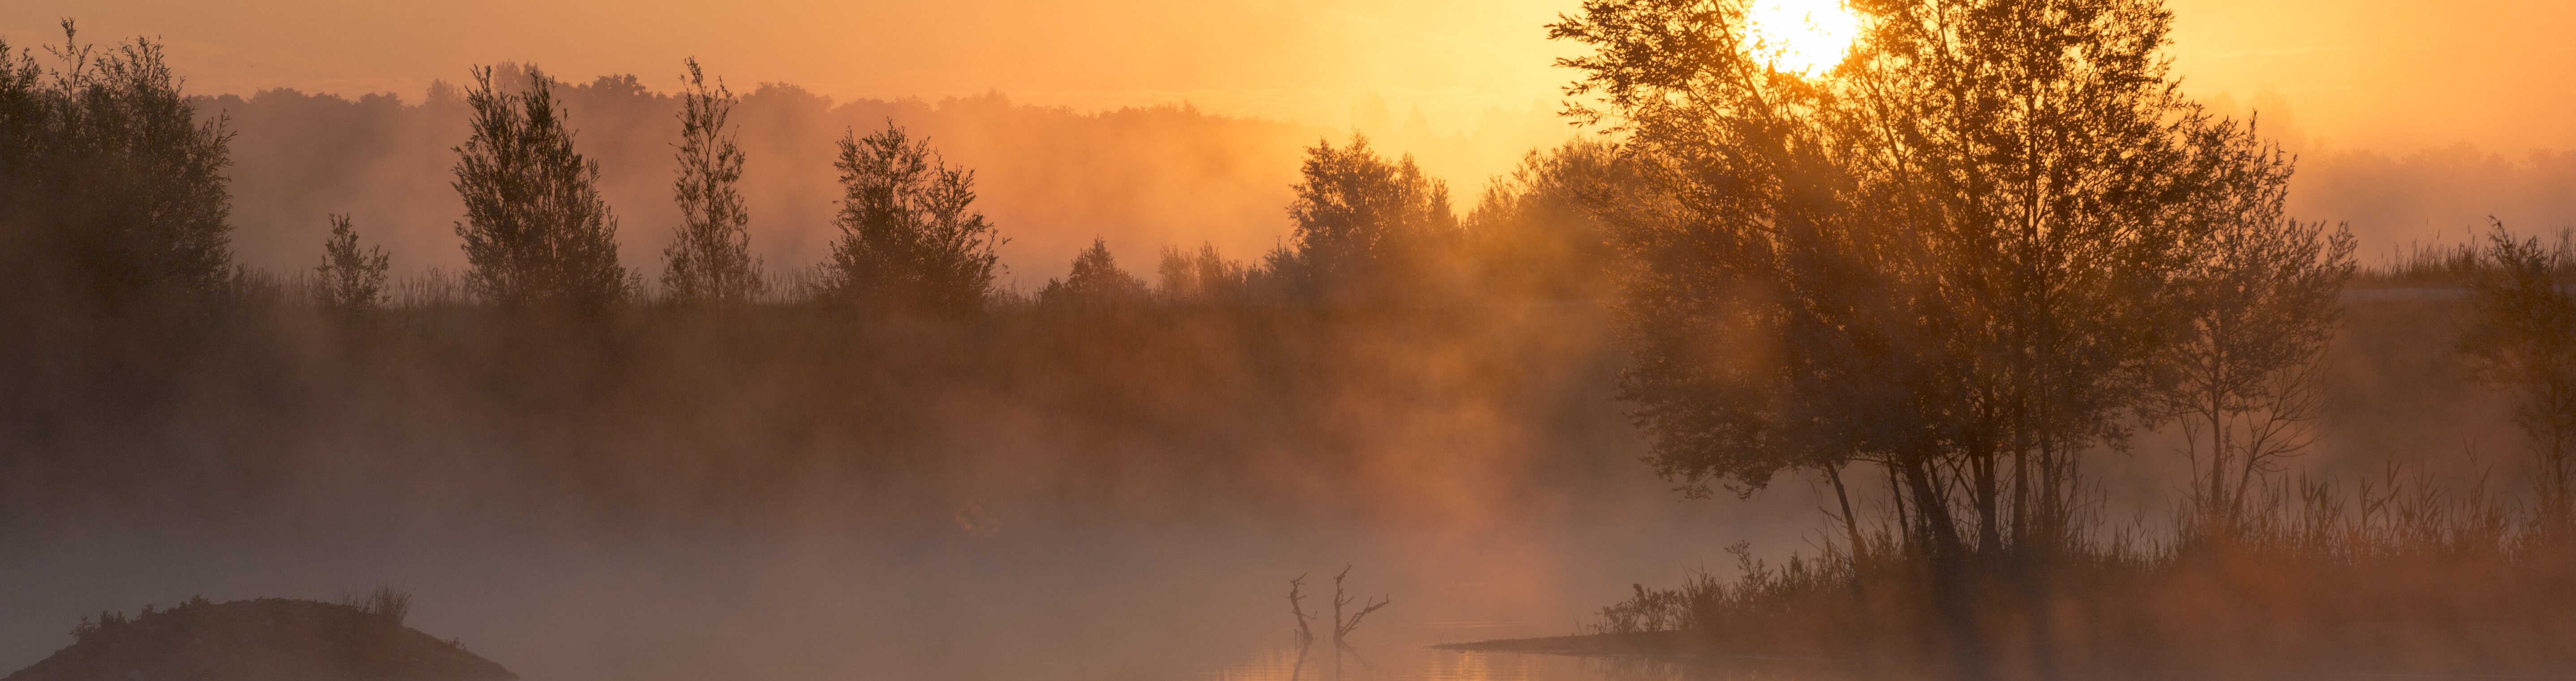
(1414, 663)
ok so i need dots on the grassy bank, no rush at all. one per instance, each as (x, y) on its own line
(2389, 575)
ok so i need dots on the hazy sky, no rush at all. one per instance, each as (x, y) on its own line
(2386, 74)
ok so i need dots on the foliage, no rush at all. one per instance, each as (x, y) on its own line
(1202, 277)
(2420, 265)
(350, 281)
(710, 256)
(2523, 339)
(911, 240)
(1536, 233)
(1957, 255)
(2257, 308)
(2389, 573)
(108, 623)
(1705, 603)
(1096, 284)
(537, 233)
(1366, 228)
(386, 603)
(111, 193)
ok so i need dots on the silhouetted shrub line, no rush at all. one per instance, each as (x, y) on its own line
(2304, 578)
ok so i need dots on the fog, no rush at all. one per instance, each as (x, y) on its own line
(1053, 178)
(798, 494)
(1075, 503)
(1081, 503)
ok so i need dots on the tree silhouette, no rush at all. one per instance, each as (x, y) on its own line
(1366, 227)
(911, 240)
(2523, 339)
(1096, 284)
(1199, 277)
(1536, 234)
(1958, 254)
(2257, 308)
(710, 255)
(111, 192)
(537, 233)
(350, 281)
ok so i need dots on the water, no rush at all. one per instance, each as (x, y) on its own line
(1321, 663)
(1046, 597)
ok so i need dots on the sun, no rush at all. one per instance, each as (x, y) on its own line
(1803, 37)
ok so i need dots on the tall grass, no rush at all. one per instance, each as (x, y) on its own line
(436, 288)
(386, 602)
(2439, 265)
(2390, 573)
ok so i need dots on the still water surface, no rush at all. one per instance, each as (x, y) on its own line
(1419, 663)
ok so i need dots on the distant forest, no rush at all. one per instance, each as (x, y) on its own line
(708, 378)
(1138, 178)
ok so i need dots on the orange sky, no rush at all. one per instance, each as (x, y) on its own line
(2386, 74)
(2390, 76)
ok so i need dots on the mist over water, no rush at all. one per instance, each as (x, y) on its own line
(1012, 560)
(1112, 488)
(1049, 593)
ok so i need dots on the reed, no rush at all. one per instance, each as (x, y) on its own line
(2390, 573)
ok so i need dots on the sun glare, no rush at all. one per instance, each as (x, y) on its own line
(1804, 37)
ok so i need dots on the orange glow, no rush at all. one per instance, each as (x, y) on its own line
(1803, 37)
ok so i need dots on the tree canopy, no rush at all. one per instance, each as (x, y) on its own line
(537, 233)
(1366, 227)
(709, 259)
(1959, 254)
(911, 239)
(112, 194)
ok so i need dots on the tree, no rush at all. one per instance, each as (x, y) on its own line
(2523, 339)
(1536, 234)
(537, 233)
(911, 240)
(112, 194)
(1957, 254)
(1365, 227)
(1201, 277)
(2257, 308)
(350, 281)
(709, 260)
(1096, 284)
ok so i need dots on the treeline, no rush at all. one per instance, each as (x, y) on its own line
(538, 229)
(1138, 177)
(1367, 230)
(163, 377)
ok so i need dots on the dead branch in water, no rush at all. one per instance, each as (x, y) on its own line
(1342, 627)
(1305, 634)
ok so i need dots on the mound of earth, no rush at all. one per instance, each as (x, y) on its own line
(270, 639)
